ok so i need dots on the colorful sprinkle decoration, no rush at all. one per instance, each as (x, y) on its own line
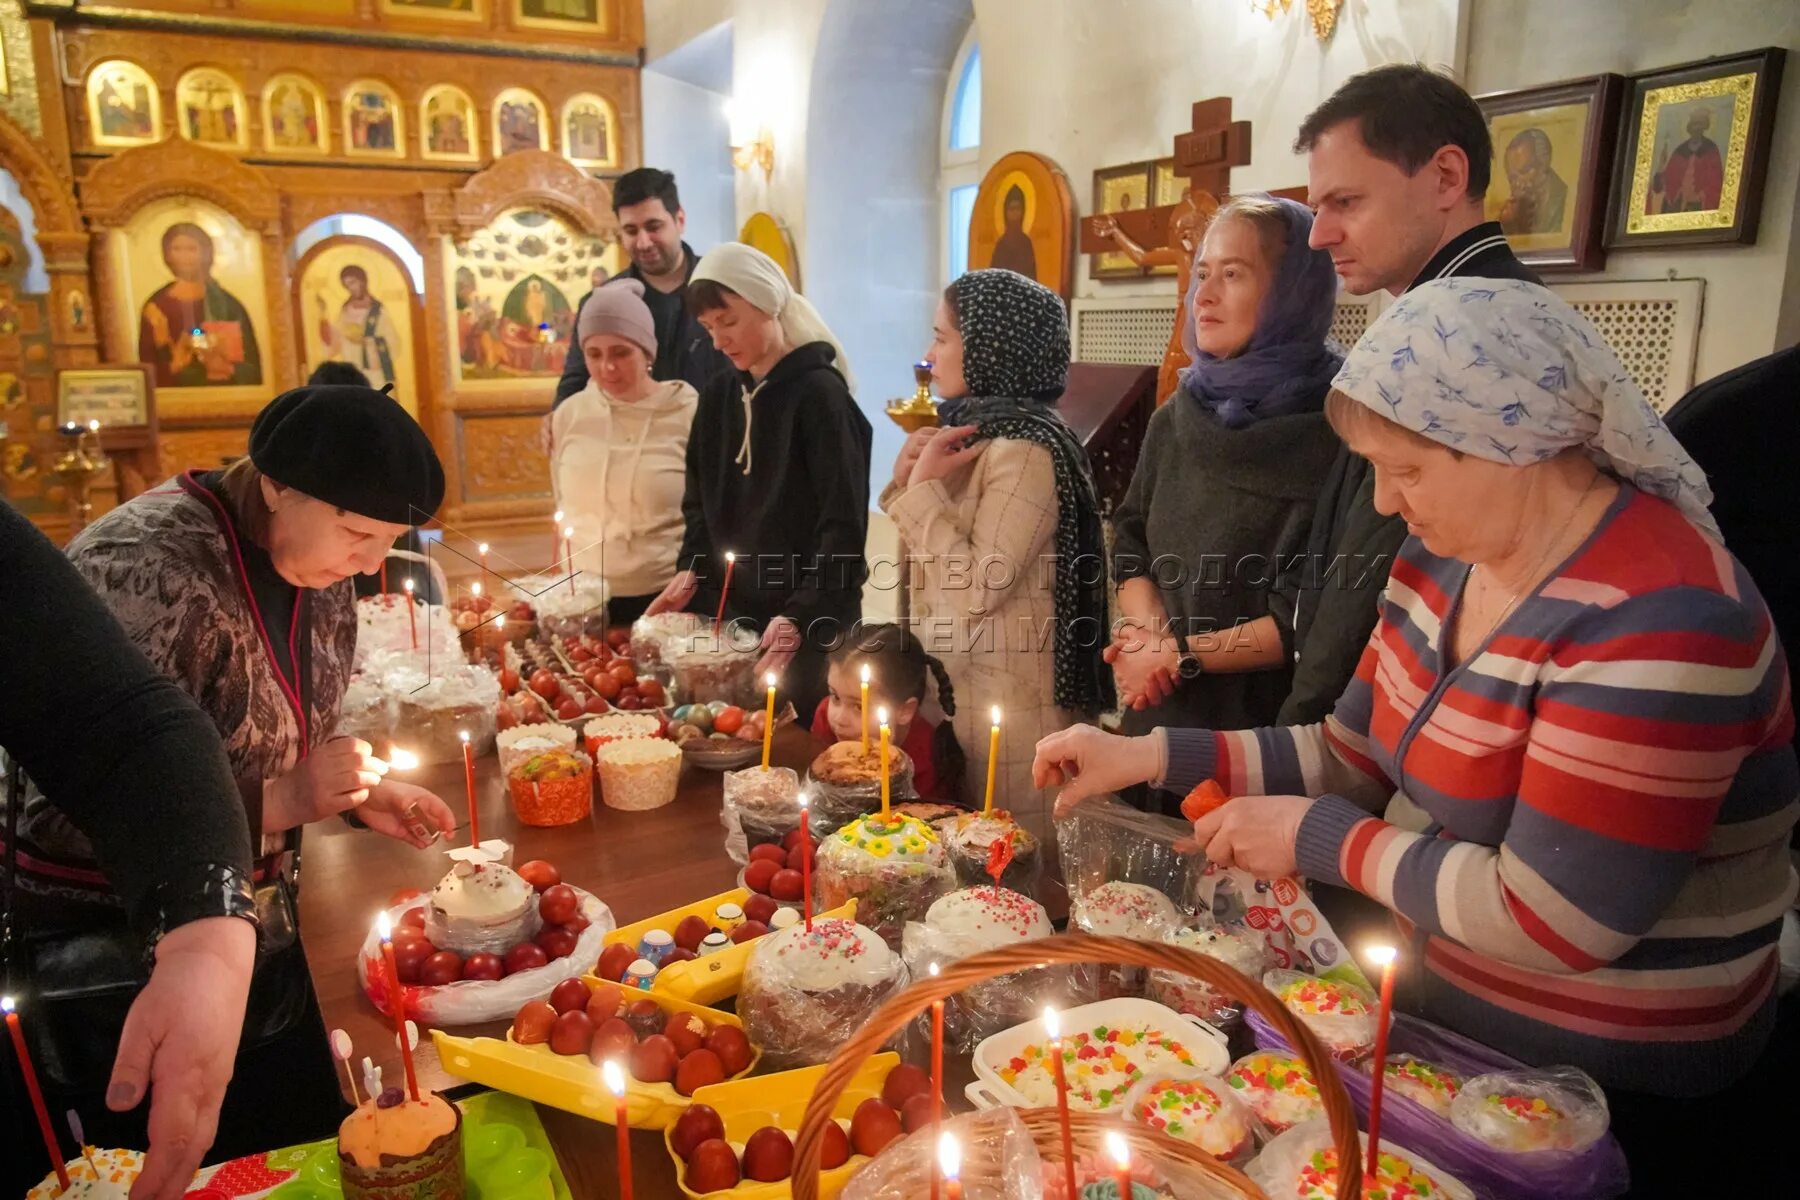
(1101, 1064)
(1394, 1179)
(1319, 997)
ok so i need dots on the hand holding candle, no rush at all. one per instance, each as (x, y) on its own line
(1385, 958)
(882, 716)
(31, 1088)
(614, 1078)
(396, 1001)
(1054, 1028)
(987, 806)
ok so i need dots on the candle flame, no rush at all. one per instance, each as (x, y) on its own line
(996, 714)
(1118, 1149)
(865, 673)
(481, 548)
(407, 586)
(403, 760)
(881, 716)
(730, 557)
(557, 516)
(1381, 956)
(805, 800)
(94, 425)
(463, 734)
(6, 1003)
(500, 621)
(474, 588)
(384, 928)
(569, 531)
(613, 1077)
(934, 970)
(949, 1155)
(771, 681)
(1051, 1025)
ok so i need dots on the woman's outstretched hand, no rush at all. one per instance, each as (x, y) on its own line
(1086, 761)
(675, 594)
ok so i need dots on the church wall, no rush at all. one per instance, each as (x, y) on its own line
(684, 132)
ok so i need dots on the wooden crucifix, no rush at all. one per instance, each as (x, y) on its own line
(1169, 235)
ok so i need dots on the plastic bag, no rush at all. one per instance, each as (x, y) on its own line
(472, 1001)
(760, 807)
(1234, 945)
(1596, 1173)
(1195, 1108)
(1277, 1087)
(1344, 1016)
(1281, 910)
(1427, 1084)
(715, 665)
(807, 992)
(1524, 1112)
(969, 840)
(1303, 1162)
(974, 921)
(652, 636)
(999, 1161)
(895, 870)
(1105, 840)
(836, 804)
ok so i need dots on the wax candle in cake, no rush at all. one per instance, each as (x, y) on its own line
(412, 618)
(949, 1161)
(468, 750)
(1119, 1150)
(397, 1001)
(556, 541)
(882, 716)
(569, 555)
(31, 1087)
(614, 1076)
(937, 1070)
(806, 855)
(864, 710)
(987, 805)
(1385, 958)
(1054, 1029)
(725, 590)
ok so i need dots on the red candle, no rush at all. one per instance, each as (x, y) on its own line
(730, 565)
(949, 1161)
(1062, 1098)
(397, 1001)
(806, 861)
(937, 1075)
(1385, 957)
(556, 540)
(412, 619)
(384, 590)
(37, 1097)
(1120, 1150)
(569, 556)
(482, 550)
(469, 787)
(615, 1083)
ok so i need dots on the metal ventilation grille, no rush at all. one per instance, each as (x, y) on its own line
(1137, 331)
(1653, 327)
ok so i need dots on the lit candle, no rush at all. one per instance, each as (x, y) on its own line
(37, 1097)
(937, 1075)
(882, 716)
(402, 760)
(987, 806)
(412, 620)
(569, 554)
(1119, 1150)
(1052, 1028)
(556, 519)
(615, 1083)
(806, 860)
(481, 549)
(1385, 957)
(469, 786)
(769, 722)
(730, 566)
(949, 1160)
(865, 708)
(397, 1001)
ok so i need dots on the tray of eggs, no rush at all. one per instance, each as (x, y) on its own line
(717, 736)
(698, 952)
(774, 871)
(736, 1140)
(667, 1048)
(571, 682)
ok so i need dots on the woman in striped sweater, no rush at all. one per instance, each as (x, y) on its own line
(1571, 678)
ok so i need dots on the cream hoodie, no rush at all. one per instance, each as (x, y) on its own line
(619, 471)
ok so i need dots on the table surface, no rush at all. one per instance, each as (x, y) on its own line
(639, 863)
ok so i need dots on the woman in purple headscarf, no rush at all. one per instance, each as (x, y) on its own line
(1231, 467)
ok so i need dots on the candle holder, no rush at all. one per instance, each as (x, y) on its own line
(918, 411)
(80, 464)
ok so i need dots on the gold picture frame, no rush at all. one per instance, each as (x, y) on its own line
(116, 396)
(579, 136)
(448, 130)
(210, 109)
(513, 109)
(124, 107)
(593, 16)
(374, 123)
(474, 11)
(293, 115)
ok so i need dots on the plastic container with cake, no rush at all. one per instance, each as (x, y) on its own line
(1345, 1017)
(1243, 949)
(845, 783)
(806, 992)
(1195, 1108)
(715, 664)
(973, 921)
(652, 637)
(433, 709)
(761, 807)
(969, 841)
(481, 908)
(393, 1148)
(1302, 1164)
(1128, 910)
(519, 743)
(555, 787)
(638, 774)
(572, 608)
(893, 867)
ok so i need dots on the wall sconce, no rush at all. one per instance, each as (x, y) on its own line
(751, 143)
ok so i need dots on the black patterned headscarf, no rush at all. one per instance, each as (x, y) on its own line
(1015, 335)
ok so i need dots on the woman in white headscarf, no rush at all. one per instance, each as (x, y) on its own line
(777, 473)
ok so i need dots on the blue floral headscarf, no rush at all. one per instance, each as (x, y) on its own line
(1504, 370)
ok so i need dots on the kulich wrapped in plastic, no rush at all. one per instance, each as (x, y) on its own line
(1522, 1112)
(845, 784)
(1277, 1087)
(1343, 1015)
(806, 991)
(433, 709)
(1302, 1164)
(969, 838)
(638, 774)
(1428, 1084)
(715, 665)
(392, 1148)
(481, 908)
(974, 921)
(1122, 909)
(761, 807)
(893, 866)
(382, 629)
(1197, 1109)
(1245, 950)
(518, 744)
(577, 611)
(999, 1161)
(367, 712)
(651, 637)
(552, 788)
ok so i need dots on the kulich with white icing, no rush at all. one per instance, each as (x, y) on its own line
(979, 919)
(1200, 1110)
(834, 953)
(1128, 910)
(481, 907)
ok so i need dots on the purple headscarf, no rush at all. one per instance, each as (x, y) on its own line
(1288, 365)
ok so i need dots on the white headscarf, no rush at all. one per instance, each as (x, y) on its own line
(1504, 370)
(762, 283)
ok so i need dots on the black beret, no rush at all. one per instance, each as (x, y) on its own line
(354, 448)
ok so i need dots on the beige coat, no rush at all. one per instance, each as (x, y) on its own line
(981, 549)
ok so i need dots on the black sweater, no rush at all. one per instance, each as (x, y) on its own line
(798, 520)
(113, 743)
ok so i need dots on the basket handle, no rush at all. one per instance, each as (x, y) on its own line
(1074, 948)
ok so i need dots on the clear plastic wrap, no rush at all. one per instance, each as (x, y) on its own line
(845, 786)
(1104, 840)
(760, 807)
(1198, 1109)
(1234, 945)
(806, 992)
(974, 921)
(651, 637)
(999, 1161)
(1277, 1087)
(894, 867)
(432, 712)
(969, 839)
(366, 713)
(1122, 909)
(715, 665)
(481, 908)
(1523, 1112)
(1427, 1084)
(1302, 1164)
(572, 608)
(1344, 1016)
(382, 629)
(521, 742)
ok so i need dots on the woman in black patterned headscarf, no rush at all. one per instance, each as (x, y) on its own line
(998, 511)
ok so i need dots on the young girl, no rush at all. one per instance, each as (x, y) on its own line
(897, 666)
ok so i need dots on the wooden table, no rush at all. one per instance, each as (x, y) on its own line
(640, 864)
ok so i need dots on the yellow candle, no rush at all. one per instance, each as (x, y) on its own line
(987, 805)
(769, 722)
(882, 716)
(865, 708)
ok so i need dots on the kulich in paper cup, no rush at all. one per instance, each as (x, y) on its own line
(433, 1173)
(553, 788)
(618, 727)
(519, 743)
(638, 774)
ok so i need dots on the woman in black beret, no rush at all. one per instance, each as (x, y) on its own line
(237, 585)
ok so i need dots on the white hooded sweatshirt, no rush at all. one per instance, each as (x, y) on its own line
(619, 470)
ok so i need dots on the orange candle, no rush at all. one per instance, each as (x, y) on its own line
(37, 1096)
(987, 805)
(469, 786)
(384, 590)
(937, 1074)
(1120, 1152)
(397, 1002)
(725, 590)
(806, 861)
(615, 1083)
(1062, 1098)
(769, 722)
(1385, 957)
(882, 716)
(412, 618)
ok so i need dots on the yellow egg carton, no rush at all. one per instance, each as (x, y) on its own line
(715, 977)
(746, 1105)
(572, 1082)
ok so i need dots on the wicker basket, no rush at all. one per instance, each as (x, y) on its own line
(1086, 1128)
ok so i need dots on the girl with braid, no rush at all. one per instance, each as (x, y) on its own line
(898, 666)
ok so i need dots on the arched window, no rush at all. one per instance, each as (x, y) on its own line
(959, 156)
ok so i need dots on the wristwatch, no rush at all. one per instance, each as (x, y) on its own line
(1187, 667)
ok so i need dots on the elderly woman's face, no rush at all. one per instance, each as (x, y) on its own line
(314, 544)
(946, 355)
(1230, 280)
(1460, 506)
